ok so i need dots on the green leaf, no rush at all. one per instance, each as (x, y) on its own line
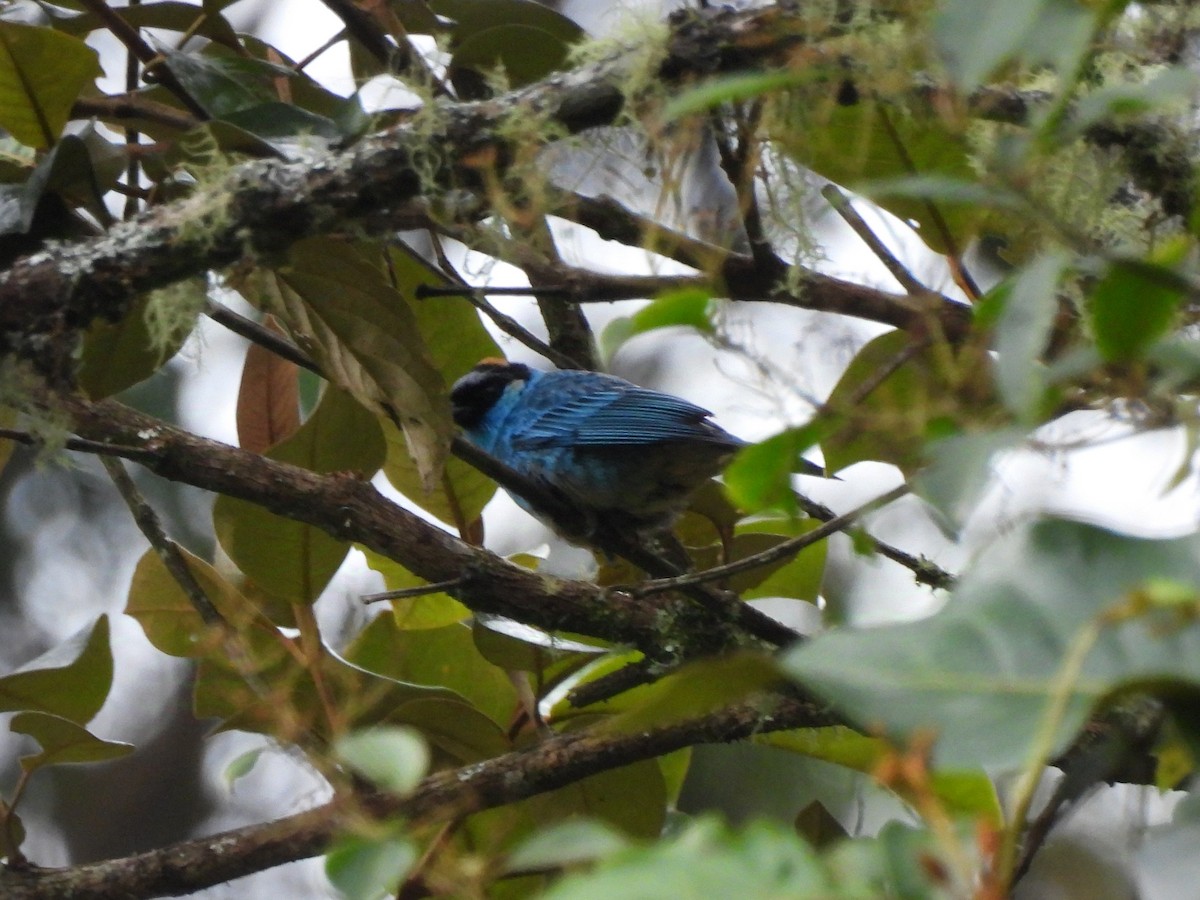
(242, 765)
(427, 611)
(731, 89)
(566, 843)
(696, 689)
(456, 340)
(975, 37)
(167, 616)
(8, 419)
(686, 307)
(338, 298)
(526, 53)
(1030, 303)
(632, 798)
(393, 758)
(281, 124)
(118, 355)
(223, 85)
(765, 861)
(454, 727)
(987, 673)
(967, 792)
(959, 471)
(1173, 85)
(63, 741)
(892, 423)
(515, 646)
(70, 680)
(291, 560)
(42, 73)
(166, 14)
(872, 140)
(689, 307)
(473, 16)
(440, 657)
(366, 869)
(760, 476)
(942, 189)
(457, 499)
(798, 577)
(1133, 305)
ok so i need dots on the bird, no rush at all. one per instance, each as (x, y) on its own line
(615, 453)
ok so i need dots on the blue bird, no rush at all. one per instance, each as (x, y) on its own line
(614, 451)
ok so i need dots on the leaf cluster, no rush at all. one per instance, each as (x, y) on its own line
(1014, 148)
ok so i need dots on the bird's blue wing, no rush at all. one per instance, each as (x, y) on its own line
(617, 414)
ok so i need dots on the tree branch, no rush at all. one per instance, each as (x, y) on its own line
(445, 796)
(262, 207)
(351, 509)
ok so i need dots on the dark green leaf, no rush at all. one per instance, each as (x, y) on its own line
(472, 16)
(168, 15)
(526, 54)
(224, 84)
(118, 355)
(1133, 305)
(42, 73)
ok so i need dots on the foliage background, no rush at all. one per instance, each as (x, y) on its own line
(1031, 162)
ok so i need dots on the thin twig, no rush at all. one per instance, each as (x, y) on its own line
(923, 570)
(780, 551)
(518, 332)
(428, 291)
(842, 206)
(258, 334)
(80, 445)
(401, 57)
(420, 590)
(953, 253)
(623, 679)
(168, 551)
(506, 323)
(132, 138)
(129, 36)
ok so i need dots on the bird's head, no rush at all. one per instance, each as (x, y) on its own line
(479, 390)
